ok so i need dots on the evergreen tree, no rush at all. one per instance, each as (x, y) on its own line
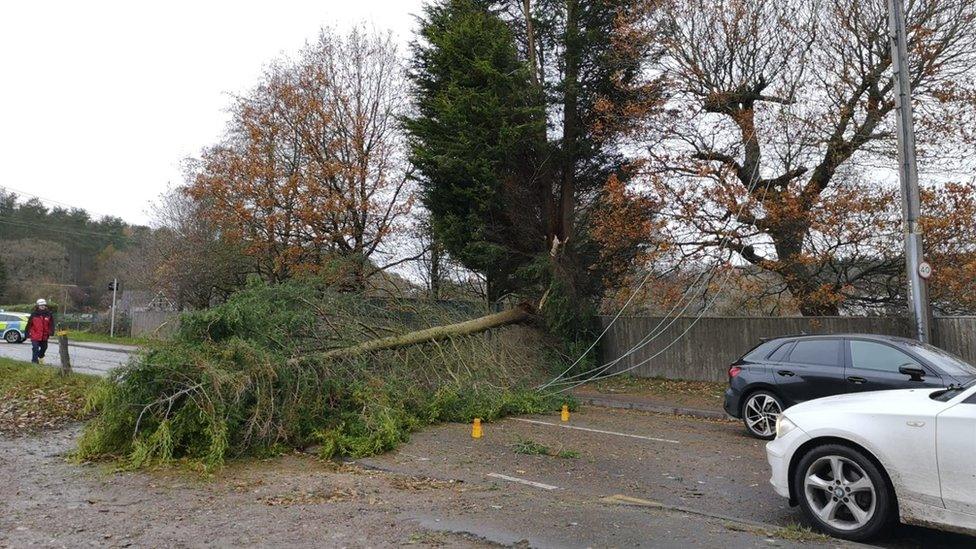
(520, 111)
(474, 139)
(3, 281)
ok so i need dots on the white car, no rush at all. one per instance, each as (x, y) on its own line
(856, 462)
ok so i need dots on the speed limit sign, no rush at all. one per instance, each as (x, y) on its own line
(924, 270)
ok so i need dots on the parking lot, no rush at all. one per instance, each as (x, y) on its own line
(625, 479)
(704, 467)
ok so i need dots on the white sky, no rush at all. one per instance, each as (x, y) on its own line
(101, 100)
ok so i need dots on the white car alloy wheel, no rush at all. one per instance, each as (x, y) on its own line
(840, 493)
(760, 413)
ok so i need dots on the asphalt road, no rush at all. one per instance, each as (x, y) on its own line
(640, 480)
(86, 358)
(298, 500)
(708, 468)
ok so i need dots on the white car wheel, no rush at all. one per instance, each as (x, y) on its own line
(843, 492)
(13, 336)
(840, 492)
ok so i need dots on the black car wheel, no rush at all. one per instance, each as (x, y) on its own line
(843, 493)
(13, 336)
(759, 414)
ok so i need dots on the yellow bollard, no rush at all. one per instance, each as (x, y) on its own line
(476, 428)
(565, 414)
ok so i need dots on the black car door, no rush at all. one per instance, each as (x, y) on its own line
(814, 368)
(873, 366)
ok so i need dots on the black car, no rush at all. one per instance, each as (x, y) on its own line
(781, 372)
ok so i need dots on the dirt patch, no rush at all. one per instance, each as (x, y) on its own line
(419, 484)
(296, 500)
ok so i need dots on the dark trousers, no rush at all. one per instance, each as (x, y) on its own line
(38, 348)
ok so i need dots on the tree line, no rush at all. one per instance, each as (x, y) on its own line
(56, 252)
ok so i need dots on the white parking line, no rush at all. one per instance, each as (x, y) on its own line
(597, 431)
(532, 483)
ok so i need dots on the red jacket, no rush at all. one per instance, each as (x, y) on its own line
(40, 325)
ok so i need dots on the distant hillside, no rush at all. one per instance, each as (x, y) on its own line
(46, 250)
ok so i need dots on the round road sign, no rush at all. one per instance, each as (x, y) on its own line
(924, 270)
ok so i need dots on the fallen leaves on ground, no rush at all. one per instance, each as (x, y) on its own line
(40, 408)
(419, 483)
(701, 393)
(312, 497)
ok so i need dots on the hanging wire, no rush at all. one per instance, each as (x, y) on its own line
(754, 180)
(598, 375)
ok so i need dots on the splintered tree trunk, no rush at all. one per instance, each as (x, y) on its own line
(517, 315)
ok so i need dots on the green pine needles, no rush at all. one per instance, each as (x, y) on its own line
(225, 386)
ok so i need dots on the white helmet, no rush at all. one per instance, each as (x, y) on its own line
(41, 301)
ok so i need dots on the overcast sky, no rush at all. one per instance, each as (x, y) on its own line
(101, 100)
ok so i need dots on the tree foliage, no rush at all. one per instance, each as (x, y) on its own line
(46, 246)
(778, 111)
(521, 111)
(477, 126)
(258, 391)
(311, 169)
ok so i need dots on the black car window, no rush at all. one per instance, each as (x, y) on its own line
(870, 355)
(759, 352)
(825, 352)
(8, 318)
(947, 362)
(780, 354)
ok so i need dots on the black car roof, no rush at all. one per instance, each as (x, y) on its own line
(877, 337)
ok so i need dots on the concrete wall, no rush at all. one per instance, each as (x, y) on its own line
(154, 324)
(704, 350)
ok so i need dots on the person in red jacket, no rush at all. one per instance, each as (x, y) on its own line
(40, 326)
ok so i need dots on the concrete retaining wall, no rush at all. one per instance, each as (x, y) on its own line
(703, 350)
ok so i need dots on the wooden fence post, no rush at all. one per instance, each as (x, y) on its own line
(63, 350)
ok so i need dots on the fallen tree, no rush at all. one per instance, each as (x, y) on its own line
(297, 365)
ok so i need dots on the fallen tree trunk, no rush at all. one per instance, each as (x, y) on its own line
(519, 314)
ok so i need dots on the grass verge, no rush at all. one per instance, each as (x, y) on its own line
(36, 397)
(90, 337)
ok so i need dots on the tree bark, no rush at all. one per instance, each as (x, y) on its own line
(567, 194)
(63, 351)
(517, 315)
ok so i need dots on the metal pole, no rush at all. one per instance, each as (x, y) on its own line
(908, 171)
(115, 289)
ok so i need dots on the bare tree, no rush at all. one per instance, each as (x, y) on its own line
(188, 257)
(778, 112)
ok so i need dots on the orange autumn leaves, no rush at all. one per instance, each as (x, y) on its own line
(624, 225)
(311, 172)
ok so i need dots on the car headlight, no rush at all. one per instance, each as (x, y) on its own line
(783, 426)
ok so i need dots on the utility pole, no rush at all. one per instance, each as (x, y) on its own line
(908, 173)
(115, 289)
